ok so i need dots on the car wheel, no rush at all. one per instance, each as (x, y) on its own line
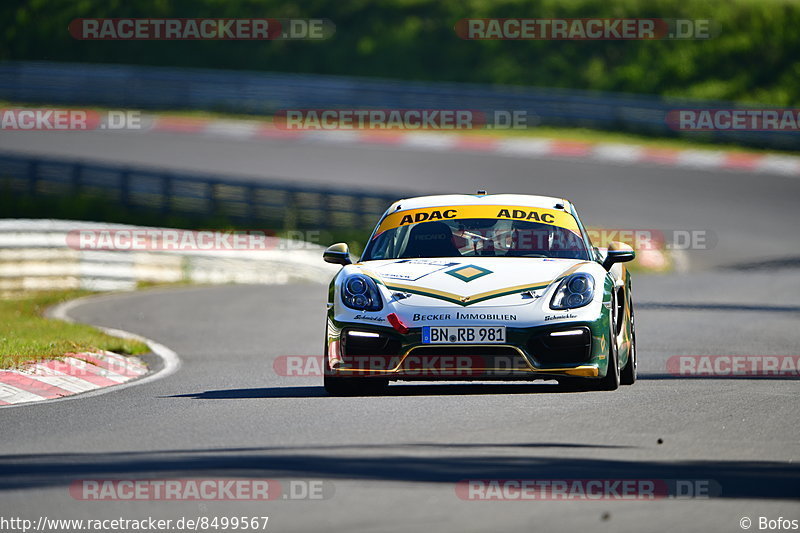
(611, 380)
(612, 377)
(628, 375)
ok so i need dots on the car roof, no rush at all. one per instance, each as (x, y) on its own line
(441, 200)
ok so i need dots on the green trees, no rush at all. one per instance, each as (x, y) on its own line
(755, 57)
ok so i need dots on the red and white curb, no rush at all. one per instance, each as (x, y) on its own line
(89, 374)
(626, 154)
(72, 374)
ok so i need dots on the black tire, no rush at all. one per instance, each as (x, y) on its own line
(612, 378)
(628, 374)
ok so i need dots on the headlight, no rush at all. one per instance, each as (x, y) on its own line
(361, 293)
(574, 291)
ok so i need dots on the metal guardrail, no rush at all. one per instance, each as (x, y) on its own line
(37, 254)
(144, 87)
(168, 192)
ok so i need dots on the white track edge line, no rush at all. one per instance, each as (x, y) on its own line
(171, 361)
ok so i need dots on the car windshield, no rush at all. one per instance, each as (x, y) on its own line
(477, 237)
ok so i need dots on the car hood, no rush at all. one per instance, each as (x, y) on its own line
(468, 281)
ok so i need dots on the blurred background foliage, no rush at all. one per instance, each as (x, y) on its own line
(755, 57)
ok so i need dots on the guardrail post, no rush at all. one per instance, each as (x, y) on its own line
(366, 219)
(124, 188)
(75, 178)
(298, 208)
(326, 212)
(290, 215)
(252, 190)
(33, 170)
(213, 201)
(166, 192)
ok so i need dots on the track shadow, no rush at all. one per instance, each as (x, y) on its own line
(437, 389)
(666, 306)
(670, 377)
(246, 394)
(771, 264)
(439, 464)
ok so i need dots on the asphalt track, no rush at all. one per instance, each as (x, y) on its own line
(391, 463)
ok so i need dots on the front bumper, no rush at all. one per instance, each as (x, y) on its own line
(531, 353)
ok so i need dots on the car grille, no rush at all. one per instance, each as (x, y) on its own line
(549, 350)
(472, 361)
(382, 345)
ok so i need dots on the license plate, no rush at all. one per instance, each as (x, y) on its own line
(463, 335)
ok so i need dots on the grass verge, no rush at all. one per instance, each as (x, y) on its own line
(28, 336)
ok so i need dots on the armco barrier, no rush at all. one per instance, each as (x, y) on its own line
(143, 87)
(36, 255)
(195, 194)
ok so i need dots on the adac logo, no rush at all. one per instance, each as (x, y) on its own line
(469, 272)
(424, 216)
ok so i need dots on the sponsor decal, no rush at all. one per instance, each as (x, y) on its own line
(553, 217)
(519, 214)
(423, 216)
(417, 317)
(559, 317)
(469, 272)
(369, 318)
(413, 269)
(430, 318)
(432, 262)
(484, 316)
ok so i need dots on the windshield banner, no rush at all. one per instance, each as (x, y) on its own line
(552, 217)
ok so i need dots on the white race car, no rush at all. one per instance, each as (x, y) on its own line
(480, 287)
